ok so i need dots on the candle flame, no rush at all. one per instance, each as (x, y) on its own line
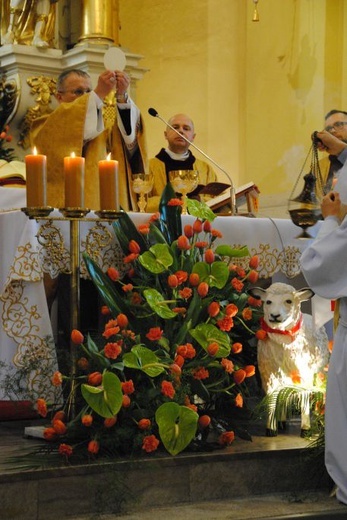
(34, 150)
(73, 154)
(108, 158)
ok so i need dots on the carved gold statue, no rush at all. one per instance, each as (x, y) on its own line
(44, 89)
(28, 22)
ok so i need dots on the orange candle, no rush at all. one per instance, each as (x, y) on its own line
(108, 182)
(36, 176)
(74, 181)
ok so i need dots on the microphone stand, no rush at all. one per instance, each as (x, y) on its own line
(154, 113)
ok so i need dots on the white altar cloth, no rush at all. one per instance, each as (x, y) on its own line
(30, 248)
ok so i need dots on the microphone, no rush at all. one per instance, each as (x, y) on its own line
(152, 112)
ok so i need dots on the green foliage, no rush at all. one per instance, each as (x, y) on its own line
(105, 400)
(177, 426)
(165, 358)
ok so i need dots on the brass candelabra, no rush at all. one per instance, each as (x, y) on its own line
(74, 216)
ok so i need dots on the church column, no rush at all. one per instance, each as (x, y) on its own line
(100, 21)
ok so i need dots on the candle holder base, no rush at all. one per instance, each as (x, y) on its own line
(109, 214)
(74, 212)
(37, 211)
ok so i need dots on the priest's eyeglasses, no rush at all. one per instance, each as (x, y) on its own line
(336, 126)
(76, 92)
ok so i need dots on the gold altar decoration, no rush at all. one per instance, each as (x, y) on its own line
(21, 322)
(100, 21)
(28, 22)
(44, 88)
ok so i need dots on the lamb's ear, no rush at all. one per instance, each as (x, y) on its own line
(304, 294)
(257, 292)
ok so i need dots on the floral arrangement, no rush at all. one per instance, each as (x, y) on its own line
(177, 354)
(6, 154)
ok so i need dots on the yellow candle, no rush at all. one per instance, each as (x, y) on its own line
(36, 175)
(74, 181)
(108, 182)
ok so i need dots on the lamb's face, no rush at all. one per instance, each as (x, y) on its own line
(281, 304)
(281, 310)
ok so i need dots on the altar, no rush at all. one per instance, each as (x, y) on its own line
(31, 248)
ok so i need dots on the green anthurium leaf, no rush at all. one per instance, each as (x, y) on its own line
(125, 231)
(114, 301)
(206, 333)
(105, 400)
(200, 210)
(157, 303)
(215, 274)
(158, 259)
(219, 274)
(177, 426)
(232, 252)
(203, 270)
(141, 358)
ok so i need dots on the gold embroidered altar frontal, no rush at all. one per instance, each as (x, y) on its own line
(30, 249)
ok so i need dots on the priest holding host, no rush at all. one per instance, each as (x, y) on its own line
(77, 126)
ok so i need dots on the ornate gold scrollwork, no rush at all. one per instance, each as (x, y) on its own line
(101, 246)
(44, 88)
(54, 256)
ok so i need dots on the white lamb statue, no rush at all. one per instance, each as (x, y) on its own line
(292, 348)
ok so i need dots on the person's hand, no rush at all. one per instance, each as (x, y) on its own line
(329, 143)
(107, 82)
(331, 204)
(122, 82)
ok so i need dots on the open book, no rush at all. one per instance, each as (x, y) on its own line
(247, 194)
(12, 173)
